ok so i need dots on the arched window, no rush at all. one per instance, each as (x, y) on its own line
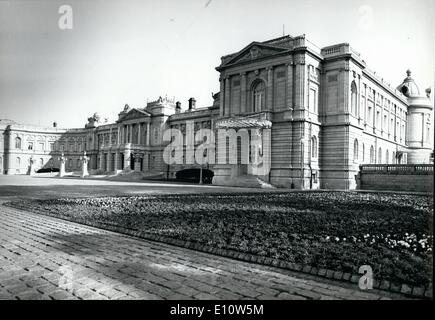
(372, 154)
(41, 162)
(17, 143)
(258, 96)
(387, 156)
(355, 149)
(353, 100)
(313, 147)
(18, 161)
(380, 155)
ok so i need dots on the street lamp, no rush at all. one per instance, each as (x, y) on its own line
(204, 154)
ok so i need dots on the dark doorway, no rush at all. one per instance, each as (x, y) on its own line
(242, 168)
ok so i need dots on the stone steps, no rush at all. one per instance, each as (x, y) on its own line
(249, 181)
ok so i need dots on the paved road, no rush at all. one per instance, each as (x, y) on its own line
(47, 258)
(46, 186)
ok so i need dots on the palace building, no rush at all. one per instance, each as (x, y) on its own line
(321, 112)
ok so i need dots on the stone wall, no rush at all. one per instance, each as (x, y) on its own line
(408, 177)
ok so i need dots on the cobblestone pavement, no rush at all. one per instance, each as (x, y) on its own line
(48, 258)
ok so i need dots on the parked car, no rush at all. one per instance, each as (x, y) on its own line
(44, 170)
(192, 175)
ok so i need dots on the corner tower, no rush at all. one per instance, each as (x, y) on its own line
(419, 120)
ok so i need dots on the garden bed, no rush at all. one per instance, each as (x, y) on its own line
(327, 230)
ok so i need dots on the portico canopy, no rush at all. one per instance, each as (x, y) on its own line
(256, 121)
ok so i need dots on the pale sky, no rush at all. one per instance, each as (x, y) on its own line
(129, 51)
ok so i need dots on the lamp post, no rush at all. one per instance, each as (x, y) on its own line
(205, 161)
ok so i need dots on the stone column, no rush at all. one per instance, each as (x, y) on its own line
(145, 162)
(108, 161)
(119, 135)
(116, 160)
(365, 104)
(221, 97)
(300, 84)
(138, 133)
(127, 155)
(290, 86)
(243, 92)
(374, 114)
(148, 134)
(269, 88)
(227, 96)
(8, 156)
(358, 104)
(110, 136)
(101, 164)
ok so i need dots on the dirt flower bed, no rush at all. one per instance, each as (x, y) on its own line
(332, 230)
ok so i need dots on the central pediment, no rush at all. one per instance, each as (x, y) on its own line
(133, 114)
(252, 52)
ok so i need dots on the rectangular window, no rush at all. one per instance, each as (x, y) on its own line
(370, 113)
(41, 146)
(398, 130)
(312, 101)
(378, 119)
(30, 146)
(51, 146)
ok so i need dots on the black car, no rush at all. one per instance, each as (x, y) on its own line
(45, 170)
(192, 175)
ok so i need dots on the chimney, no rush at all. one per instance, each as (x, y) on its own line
(178, 107)
(192, 104)
(54, 124)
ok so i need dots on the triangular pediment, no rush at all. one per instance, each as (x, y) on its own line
(254, 51)
(134, 114)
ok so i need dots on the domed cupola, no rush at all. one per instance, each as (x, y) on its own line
(408, 87)
(418, 121)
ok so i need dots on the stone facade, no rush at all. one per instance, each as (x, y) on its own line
(327, 114)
